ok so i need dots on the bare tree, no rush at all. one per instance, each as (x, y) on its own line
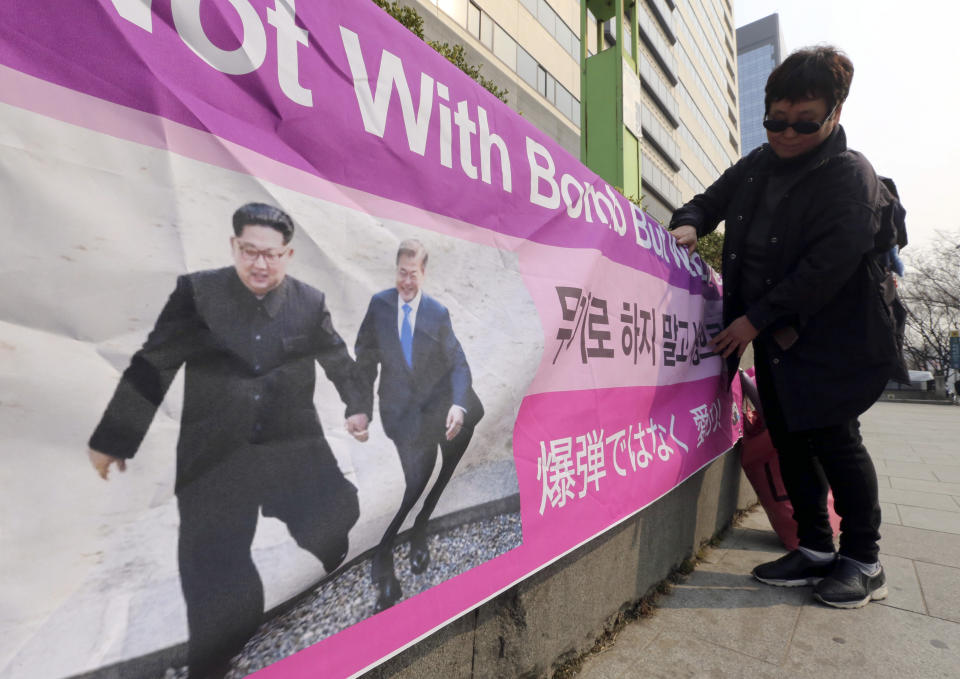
(931, 291)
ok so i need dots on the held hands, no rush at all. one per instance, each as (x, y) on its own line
(686, 236)
(454, 422)
(101, 462)
(357, 426)
(735, 337)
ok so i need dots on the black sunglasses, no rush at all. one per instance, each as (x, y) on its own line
(800, 127)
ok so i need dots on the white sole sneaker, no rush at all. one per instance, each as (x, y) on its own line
(801, 582)
(877, 595)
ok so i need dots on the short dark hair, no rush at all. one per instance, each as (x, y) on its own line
(261, 214)
(811, 73)
(411, 247)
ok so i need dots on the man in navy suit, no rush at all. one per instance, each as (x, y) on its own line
(426, 401)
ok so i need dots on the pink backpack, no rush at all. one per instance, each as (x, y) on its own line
(762, 467)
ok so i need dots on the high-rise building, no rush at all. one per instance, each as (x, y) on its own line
(687, 64)
(759, 51)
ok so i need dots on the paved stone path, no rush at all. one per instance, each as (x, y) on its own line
(721, 622)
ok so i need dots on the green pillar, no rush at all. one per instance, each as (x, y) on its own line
(610, 97)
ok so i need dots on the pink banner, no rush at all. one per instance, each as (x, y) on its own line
(133, 130)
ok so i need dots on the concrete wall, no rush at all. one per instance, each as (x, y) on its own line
(559, 612)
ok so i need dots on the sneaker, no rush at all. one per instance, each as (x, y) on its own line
(849, 587)
(793, 570)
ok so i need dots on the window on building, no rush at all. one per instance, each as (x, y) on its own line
(527, 68)
(564, 101)
(457, 9)
(473, 20)
(486, 30)
(480, 25)
(564, 36)
(504, 47)
(547, 17)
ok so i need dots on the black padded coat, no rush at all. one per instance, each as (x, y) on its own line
(822, 277)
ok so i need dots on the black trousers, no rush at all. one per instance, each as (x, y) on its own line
(300, 485)
(418, 458)
(815, 461)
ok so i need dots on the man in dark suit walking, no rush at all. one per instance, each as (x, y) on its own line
(250, 438)
(426, 401)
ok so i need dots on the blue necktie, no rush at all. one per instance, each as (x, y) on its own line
(406, 336)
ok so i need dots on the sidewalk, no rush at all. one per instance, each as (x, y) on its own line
(720, 622)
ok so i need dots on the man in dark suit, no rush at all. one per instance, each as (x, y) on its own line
(426, 401)
(250, 438)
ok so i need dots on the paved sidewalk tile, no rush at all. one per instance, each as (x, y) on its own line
(728, 608)
(947, 474)
(889, 512)
(765, 541)
(907, 470)
(722, 623)
(926, 486)
(892, 451)
(941, 590)
(903, 583)
(677, 656)
(930, 519)
(942, 459)
(723, 605)
(920, 545)
(755, 520)
(879, 642)
(622, 656)
(635, 637)
(916, 498)
(942, 451)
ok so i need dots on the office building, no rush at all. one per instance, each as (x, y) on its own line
(759, 51)
(687, 64)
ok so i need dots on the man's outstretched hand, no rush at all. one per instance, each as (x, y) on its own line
(454, 422)
(101, 462)
(357, 425)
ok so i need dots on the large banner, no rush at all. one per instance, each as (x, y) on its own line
(205, 201)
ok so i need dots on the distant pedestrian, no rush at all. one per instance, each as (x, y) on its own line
(801, 281)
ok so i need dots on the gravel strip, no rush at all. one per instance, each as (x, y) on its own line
(349, 596)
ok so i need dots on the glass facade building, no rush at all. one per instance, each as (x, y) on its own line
(687, 63)
(759, 51)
